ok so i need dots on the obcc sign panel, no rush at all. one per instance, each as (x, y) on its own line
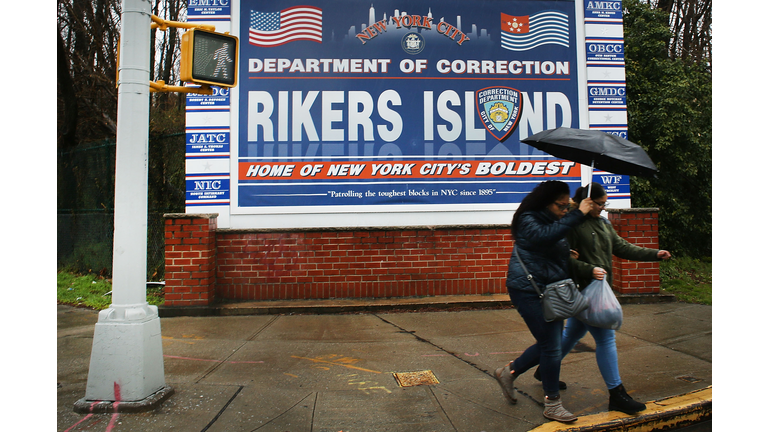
(209, 58)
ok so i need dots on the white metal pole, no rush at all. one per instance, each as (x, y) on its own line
(127, 357)
(129, 265)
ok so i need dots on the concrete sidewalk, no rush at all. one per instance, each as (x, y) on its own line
(278, 370)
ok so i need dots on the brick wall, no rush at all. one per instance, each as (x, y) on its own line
(324, 264)
(190, 259)
(204, 264)
(639, 227)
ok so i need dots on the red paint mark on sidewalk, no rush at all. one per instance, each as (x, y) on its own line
(81, 420)
(111, 422)
(84, 418)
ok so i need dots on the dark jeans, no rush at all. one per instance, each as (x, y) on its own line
(546, 351)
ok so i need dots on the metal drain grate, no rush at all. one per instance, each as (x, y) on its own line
(410, 379)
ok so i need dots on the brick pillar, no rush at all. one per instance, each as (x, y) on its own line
(639, 226)
(190, 259)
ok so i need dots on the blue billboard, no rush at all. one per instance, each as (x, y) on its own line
(393, 103)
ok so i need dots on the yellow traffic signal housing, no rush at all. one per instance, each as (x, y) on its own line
(209, 58)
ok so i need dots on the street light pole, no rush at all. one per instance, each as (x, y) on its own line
(126, 366)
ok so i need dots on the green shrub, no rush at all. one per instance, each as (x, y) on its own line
(689, 279)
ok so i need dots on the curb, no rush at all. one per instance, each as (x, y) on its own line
(370, 305)
(663, 414)
(645, 298)
(338, 306)
(149, 403)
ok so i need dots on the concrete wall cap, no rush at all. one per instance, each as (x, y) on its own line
(190, 215)
(344, 229)
(632, 210)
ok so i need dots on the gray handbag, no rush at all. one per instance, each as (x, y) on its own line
(560, 300)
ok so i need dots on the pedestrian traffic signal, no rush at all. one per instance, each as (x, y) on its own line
(209, 58)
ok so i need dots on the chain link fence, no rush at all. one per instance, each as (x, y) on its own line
(85, 242)
(86, 188)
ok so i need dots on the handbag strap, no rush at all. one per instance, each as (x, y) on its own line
(527, 274)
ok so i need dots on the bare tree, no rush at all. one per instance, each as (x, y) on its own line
(86, 68)
(167, 45)
(86, 94)
(87, 45)
(691, 24)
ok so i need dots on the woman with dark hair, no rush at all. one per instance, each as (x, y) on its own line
(539, 227)
(596, 242)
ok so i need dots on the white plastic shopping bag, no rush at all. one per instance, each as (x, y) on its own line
(604, 309)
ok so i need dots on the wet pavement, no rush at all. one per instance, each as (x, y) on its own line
(264, 367)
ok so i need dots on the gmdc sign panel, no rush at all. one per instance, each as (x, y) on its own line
(394, 113)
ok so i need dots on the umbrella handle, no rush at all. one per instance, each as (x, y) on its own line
(591, 173)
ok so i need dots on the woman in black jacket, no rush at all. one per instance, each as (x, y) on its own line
(539, 228)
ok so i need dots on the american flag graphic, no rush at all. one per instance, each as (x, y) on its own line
(522, 33)
(268, 29)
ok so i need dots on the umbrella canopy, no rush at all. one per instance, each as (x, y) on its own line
(595, 148)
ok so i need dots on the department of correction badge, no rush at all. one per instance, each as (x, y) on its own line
(499, 108)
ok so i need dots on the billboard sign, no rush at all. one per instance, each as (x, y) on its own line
(389, 107)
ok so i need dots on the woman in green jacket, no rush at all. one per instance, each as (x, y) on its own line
(595, 242)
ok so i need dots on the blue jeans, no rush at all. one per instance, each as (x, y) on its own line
(546, 351)
(605, 348)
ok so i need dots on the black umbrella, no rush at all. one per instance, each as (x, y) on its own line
(595, 148)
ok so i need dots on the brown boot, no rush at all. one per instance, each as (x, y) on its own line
(507, 382)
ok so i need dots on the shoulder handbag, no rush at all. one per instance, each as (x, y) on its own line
(560, 300)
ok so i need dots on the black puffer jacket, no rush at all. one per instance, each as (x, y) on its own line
(540, 241)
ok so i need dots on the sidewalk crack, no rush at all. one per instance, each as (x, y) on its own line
(221, 411)
(250, 339)
(264, 327)
(314, 406)
(442, 410)
(451, 353)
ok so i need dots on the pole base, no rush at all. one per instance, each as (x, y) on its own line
(127, 356)
(149, 403)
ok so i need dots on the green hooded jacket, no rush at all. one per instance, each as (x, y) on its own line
(596, 242)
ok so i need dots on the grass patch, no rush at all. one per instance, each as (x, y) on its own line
(93, 291)
(688, 279)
